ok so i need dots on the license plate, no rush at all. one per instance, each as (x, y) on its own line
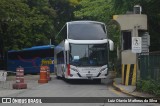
(89, 75)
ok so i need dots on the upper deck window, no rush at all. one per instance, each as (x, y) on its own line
(86, 31)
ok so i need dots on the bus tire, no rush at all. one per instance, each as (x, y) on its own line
(63, 77)
(58, 77)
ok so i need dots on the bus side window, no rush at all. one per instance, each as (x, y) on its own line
(60, 58)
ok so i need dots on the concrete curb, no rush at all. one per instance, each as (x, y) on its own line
(131, 94)
(126, 92)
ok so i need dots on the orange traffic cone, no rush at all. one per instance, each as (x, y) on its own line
(43, 75)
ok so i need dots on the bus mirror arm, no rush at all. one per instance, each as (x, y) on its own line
(66, 45)
(111, 45)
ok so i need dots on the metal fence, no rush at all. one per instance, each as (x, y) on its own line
(150, 66)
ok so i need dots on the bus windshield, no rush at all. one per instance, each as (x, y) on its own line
(88, 54)
(86, 31)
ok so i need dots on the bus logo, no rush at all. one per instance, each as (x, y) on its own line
(47, 62)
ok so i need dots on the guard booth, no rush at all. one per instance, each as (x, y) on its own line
(134, 40)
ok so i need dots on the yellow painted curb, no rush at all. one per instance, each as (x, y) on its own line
(128, 93)
(124, 91)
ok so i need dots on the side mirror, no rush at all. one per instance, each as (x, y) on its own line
(66, 45)
(111, 45)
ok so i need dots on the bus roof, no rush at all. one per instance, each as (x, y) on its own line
(83, 21)
(35, 48)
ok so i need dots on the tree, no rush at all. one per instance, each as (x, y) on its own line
(64, 13)
(99, 10)
(25, 23)
(13, 13)
(43, 16)
(64, 10)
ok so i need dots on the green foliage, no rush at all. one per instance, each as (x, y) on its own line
(149, 86)
(64, 10)
(122, 6)
(99, 10)
(23, 23)
(64, 13)
(26, 23)
(13, 15)
(113, 31)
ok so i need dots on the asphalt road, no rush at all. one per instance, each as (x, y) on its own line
(78, 88)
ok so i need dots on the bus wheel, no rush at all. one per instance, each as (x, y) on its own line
(63, 77)
(58, 77)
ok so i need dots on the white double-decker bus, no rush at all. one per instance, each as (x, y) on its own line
(83, 52)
